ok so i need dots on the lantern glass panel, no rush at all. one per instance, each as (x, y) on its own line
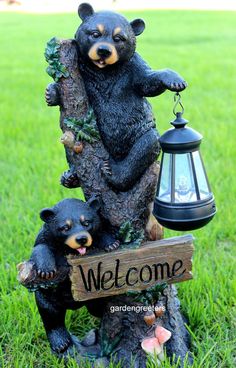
(185, 190)
(165, 183)
(203, 186)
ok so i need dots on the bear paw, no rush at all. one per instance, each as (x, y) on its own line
(60, 340)
(108, 242)
(177, 86)
(173, 81)
(45, 274)
(115, 175)
(52, 96)
(112, 246)
(70, 179)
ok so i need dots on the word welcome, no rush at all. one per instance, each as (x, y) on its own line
(117, 278)
(168, 260)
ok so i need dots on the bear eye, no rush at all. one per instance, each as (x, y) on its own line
(118, 38)
(85, 223)
(96, 34)
(64, 228)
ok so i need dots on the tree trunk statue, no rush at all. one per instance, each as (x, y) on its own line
(111, 147)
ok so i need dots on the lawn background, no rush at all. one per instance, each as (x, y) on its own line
(201, 47)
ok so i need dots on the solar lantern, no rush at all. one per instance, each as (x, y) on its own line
(184, 200)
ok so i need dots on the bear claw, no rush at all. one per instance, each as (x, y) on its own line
(46, 275)
(63, 347)
(178, 86)
(113, 246)
(106, 169)
(52, 95)
(59, 340)
(70, 179)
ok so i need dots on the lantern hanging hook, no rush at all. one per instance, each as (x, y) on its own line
(177, 100)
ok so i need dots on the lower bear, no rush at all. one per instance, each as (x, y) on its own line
(70, 227)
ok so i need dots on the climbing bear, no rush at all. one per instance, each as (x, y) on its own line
(70, 227)
(117, 80)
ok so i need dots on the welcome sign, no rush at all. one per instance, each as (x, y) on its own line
(156, 262)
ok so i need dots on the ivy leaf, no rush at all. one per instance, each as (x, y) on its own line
(52, 49)
(90, 130)
(63, 70)
(125, 232)
(129, 237)
(56, 69)
(90, 115)
(82, 136)
(85, 128)
(133, 293)
(72, 122)
(136, 239)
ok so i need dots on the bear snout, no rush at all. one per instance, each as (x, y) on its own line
(79, 241)
(82, 240)
(103, 51)
(103, 54)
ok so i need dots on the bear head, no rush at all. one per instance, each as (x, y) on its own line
(105, 38)
(73, 223)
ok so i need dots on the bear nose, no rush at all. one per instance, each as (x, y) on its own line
(103, 51)
(81, 240)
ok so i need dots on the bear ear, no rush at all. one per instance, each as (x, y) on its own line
(94, 203)
(138, 26)
(46, 214)
(85, 10)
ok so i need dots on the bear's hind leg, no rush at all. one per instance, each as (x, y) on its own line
(124, 174)
(53, 317)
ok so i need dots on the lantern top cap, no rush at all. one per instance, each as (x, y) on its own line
(179, 121)
(180, 139)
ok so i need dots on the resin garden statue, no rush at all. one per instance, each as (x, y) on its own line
(107, 252)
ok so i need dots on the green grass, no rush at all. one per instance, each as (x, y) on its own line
(199, 45)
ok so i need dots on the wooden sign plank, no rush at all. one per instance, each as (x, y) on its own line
(156, 262)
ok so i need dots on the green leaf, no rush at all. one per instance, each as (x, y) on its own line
(133, 293)
(85, 128)
(125, 232)
(90, 115)
(56, 69)
(130, 238)
(82, 136)
(51, 71)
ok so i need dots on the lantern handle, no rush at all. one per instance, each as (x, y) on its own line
(177, 100)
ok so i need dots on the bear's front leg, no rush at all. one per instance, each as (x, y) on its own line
(53, 317)
(107, 242)
(122, 175)
(52, 95)
(44, 261)
(70, 179)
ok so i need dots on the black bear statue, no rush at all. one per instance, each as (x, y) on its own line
(71, 227)
(117, 81)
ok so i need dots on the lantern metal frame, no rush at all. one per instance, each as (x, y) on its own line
(183, 215)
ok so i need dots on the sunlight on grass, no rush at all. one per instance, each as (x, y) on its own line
(201, 47)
